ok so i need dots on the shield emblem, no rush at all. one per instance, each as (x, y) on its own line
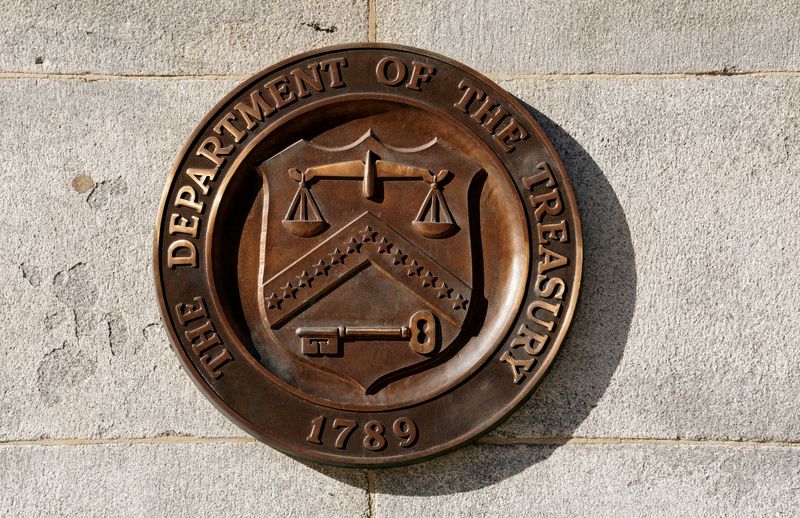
(366, 256)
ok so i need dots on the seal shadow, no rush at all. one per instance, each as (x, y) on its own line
(583, 368)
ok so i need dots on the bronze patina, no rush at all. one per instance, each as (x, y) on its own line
(367, 255)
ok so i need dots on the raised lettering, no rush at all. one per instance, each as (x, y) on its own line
(382, 71)
(549, 202)
(374, 432)
(334, 68)
(511, 132)
(495, 111)
(212, 148)
(492, 117)
(208, 337)
(303, 79)
(544, 175)
(317, 425)
(213, 365)
(203, 338)
(182, 226)
(202, 177)
(279, 89)
(550, 260)
(187, 197)
(555, 284)
(173, 259)
(470, 92)
(187, 312)
(553, 309)
(550, 231)
(228, 126)
(420, 73)
(518, 367)
(527, 338)
(257, 110)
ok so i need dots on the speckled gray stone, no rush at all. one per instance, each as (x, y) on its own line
(687, 324)
(172, 480)
(82, 338)
(168, 38)
(591, 36)
(688, 320)
(596, 481)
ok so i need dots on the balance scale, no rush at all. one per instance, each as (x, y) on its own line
(434, 219)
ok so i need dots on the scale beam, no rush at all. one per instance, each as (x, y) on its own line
(433, 220)
(369, 170)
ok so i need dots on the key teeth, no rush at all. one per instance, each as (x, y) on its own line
(405, 332)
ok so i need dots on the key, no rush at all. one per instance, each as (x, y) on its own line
(325, 341)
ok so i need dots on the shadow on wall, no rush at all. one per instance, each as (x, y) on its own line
(587, 361)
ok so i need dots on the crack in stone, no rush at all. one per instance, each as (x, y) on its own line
(62, 369)
(31, 274)
(321, 28)
(75, 286)
(104, 191)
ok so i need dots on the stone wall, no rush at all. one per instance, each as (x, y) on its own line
(677, 390)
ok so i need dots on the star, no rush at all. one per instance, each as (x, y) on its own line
(413, 268)
(384, 246)
(367, 234)
(288, 290)
(353, 245)
(304, 279)
(443, 291)
(337, 257)
(321, 268)
(459, 302)
(274, 302)
(398, 257)
(428, 280)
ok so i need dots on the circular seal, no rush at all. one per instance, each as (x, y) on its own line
(367, 255)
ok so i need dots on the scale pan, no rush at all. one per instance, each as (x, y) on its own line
(305, 228)
(435, 229)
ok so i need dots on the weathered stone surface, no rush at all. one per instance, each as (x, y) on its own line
(596, 480)
(687, 325)
(168, 38)
(82, 337)
(687, 320)
(172, 480)
(591, 36)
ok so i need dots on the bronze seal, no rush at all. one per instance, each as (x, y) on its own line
(367, 255)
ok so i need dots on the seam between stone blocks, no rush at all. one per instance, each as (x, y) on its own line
(634, 76)
(372, 20)
(644, 441)
(128, 441)
(89, 77)
(120, 77)
(371, 482)
(497, 441)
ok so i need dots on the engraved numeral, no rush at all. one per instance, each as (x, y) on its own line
(406, 430)
(374, 438)
(316, 430)
(348, 426)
